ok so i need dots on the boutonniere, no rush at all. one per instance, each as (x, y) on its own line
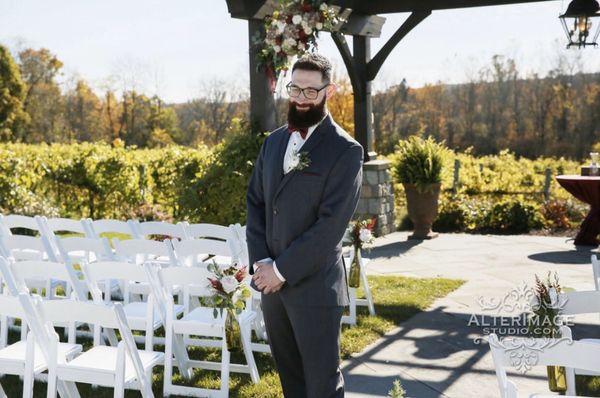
(300, 160)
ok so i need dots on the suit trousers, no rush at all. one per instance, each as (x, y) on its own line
(305, 342)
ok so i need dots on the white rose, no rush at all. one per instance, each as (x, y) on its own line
(291, 42)
(295, 161)
(301, 46)
(319, 25)
(365, 235)
(277, 49)
(237, 296)
(308, 30)
(229, 284)
(296, 19)
(323, 7)
(280, 26)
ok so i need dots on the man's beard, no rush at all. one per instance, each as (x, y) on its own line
(305, 119)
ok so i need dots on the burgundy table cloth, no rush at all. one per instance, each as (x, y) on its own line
(586, 189)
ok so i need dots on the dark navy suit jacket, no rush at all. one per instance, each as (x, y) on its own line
(299, 218)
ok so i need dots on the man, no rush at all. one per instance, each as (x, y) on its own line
(303, 192)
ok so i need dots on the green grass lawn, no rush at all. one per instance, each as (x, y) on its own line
(396, 299)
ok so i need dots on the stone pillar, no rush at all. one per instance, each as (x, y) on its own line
(377, 196)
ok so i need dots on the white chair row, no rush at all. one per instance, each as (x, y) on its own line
(159, 310)
(96, 228)
(579, 357)
(118, 367)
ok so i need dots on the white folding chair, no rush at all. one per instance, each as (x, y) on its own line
(95, 228)
(140, 251)
(12, 221)
(207, 231)
(24, 247)
(596, 270)
(195, 252)
(148, 228)
(122, 367)
(547, 352)
(22, 276)
(141, 315)
(579, 303)
(354, 301)
(199, 321)
(25, 358)
(258, 325)
(75, 251)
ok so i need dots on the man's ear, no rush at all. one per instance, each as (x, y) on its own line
(331, 90)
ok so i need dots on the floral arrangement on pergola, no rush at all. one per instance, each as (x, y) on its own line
(290, 31)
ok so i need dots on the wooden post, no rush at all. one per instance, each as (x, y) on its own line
(262, 102)
(547, 183)
(363, 102)
(456, 181)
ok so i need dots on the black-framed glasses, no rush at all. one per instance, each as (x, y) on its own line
(310, 93)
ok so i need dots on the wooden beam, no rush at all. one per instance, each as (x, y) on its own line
(411, 22)
(344, 49)
(363, 25)
(373, 7)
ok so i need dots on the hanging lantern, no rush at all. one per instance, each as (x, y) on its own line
(577, 21)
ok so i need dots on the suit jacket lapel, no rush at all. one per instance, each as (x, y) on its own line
(308, 146)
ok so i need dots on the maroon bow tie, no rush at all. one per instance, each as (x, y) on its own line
(302, 130)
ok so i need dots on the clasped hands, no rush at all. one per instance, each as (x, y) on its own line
(265, 278)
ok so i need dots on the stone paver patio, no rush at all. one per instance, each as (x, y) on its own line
(433, 353)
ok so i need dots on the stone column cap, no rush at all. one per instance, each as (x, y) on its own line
(377, 164)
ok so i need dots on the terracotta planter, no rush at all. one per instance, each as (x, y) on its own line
(422, 209)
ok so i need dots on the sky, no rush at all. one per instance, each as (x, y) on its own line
(178, 48)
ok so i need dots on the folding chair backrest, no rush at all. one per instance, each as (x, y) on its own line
(100, 248)
(583, 302)
(22, 247)
(188, 251)
(191, 279)
(142, 250)
(13, 221)
(47, 271)
(69, 311)
(58, 224)
(596, 269)
(147, 228)
(97, 227)
(112, 270)
(208, 231)
(11, 307)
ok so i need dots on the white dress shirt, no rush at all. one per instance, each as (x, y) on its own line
(294, 144)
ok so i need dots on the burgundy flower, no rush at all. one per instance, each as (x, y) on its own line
(241, 274)
(216, 285)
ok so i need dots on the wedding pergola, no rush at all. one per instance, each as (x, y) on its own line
(363, 23)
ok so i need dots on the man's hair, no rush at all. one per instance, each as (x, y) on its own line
(316, 62)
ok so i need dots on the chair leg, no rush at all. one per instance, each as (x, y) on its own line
(225, 361)
(51, 383)
(367, 289)
(29, 364)
(247, 344)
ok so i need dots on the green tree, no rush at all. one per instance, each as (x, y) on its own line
(84, 114)
(12, 93)
(43, 100)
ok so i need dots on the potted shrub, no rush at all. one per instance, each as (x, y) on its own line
(419, 168)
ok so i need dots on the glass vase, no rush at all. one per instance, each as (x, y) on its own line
(233, 334)
(557, 381)
(354, 278)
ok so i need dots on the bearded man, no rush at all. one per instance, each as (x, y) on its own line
(303, 192)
